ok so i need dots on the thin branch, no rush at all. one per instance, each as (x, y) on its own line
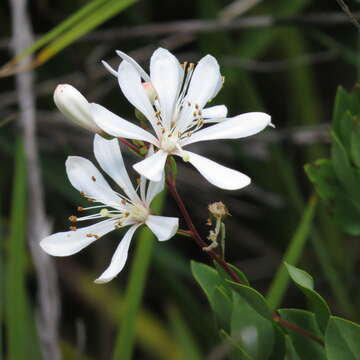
(349, 14)
(48, 296)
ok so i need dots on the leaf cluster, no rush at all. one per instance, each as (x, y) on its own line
(250, 331)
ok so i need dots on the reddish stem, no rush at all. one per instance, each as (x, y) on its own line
(130, 145)
(196, 236)
(195, 233)
(299, 330)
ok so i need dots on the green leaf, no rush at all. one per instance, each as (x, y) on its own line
(305, 348)
(343, 169)
(291, 353)
(344, 212)
(322, 175)
(225, 276)
(253, 298)
(22, 341)
(233, 348)
(124, 345)
(253, 332)
(279, 348)
(342, 340)
(355, 141)
(217, 293)
(306, 284)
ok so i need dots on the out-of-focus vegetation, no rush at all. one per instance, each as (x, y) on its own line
(290, 67)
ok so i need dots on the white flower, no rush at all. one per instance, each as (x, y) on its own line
(177, 116)
(117, 210)
(75, 107)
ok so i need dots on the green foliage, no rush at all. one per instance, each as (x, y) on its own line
(342, 339)
(22, 339)
(306, 284)
(337, 179)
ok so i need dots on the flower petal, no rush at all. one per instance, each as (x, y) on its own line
(116, 126)
(204, 81)
(130, 84)
(154, 188)
(74, 106)
(119, 258)
(234, 128)
(218, 175)
(152, 167)
(216, 112)
(70, 242)
(166, 77)
(108, 155)
(86, 178)
(130, 60)
(163, 227)
(109, 68)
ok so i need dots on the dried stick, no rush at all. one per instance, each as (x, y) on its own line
(48, 311)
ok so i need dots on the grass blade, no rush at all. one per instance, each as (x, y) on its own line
(139, 268)
(291, 256)
(22, 342)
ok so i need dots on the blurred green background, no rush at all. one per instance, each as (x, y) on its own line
(284, 58)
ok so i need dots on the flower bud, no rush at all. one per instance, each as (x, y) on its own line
(75, 107)
(150, 91)
(218, 209)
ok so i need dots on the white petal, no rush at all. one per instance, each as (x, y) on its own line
(108, 155)
(70, 242)
(163, 227)
(166, 77)
(218, 175)
(233, 128)
(86, 178)
(154, 188)
(119, 258)
(130, 60)
(218, 111)
(117, 126)
(153, 166)
(109, 68)
(74, 106)
(130, 84)
(204, 81)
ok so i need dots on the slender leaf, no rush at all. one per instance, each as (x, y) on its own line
(145, 242)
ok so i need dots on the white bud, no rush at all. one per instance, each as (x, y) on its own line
(74, 106)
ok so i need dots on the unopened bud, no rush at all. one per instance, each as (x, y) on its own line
(75, 107)
(218, 209)
(150, 91)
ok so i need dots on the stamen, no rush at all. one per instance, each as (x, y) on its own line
(92, 235)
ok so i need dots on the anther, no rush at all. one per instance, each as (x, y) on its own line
(80, 208)
(82, 193)
(73, 218)
(93, 178)
(73, 228)
(197, 106)
(189, 103)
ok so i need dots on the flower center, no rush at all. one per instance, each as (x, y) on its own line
(169, 142)
(138, 212)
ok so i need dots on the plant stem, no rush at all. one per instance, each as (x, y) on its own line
(195, 234)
